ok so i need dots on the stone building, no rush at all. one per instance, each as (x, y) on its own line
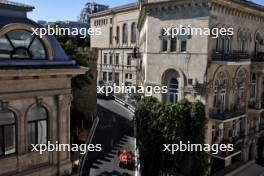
(90, 8)
(115, 46)
(225, 73)
(35, 96)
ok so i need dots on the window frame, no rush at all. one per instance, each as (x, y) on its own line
(14, 48)
(2, 129)
(35, 122)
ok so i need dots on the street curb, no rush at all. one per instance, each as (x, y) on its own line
(89, 140)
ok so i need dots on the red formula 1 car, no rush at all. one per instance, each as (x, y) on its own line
(126, 159)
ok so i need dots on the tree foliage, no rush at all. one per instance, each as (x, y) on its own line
(158, 124)
(74, 48)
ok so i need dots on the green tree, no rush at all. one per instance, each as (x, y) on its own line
(158, 124)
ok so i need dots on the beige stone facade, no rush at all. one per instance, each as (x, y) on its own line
(224, 73)
(115, 46)
(35, 96)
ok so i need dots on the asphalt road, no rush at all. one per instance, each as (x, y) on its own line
(114, 132)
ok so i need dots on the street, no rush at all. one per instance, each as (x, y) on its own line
(114, 132)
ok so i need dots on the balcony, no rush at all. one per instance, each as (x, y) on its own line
(233, 56)
(237, 111)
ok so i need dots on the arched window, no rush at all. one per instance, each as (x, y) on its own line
(37, 126)
(172, 79)
(164, 38)
(133, 33)
(173, 42)
(117, 35)
(21, 44)
(173, 90)
(220, 91)
(125, 33)
(7, 133)
(183, 40)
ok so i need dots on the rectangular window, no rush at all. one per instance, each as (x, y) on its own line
(111, 59)
(131, 76)
(126, 76)
(117, 78)
(183, 45)
(110, 76)
(128, 60)
(32, 130)
(111, 35)
(117, 59)
(111, 20)
(117, 34)
(105, 58)
(104, 76)
(173, 44)
(10, 143)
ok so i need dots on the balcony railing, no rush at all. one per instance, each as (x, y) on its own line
(215, 113)
(233, 56)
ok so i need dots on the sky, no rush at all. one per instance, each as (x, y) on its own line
(54, 10)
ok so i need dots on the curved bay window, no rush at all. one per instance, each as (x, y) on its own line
(125, 34)
(21, 44)
(37, 126)
(7, 133)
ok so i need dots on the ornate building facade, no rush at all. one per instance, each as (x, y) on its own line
(35, 96)
(115, 46)
(225, 73)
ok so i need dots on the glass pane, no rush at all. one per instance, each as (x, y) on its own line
(42, 132)
(5, 48)
(1, 142)
(21, 53)
(7, 118)
(37, 49)
(10, 139)
(20, 38)
(31, 134)
(37, 113)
